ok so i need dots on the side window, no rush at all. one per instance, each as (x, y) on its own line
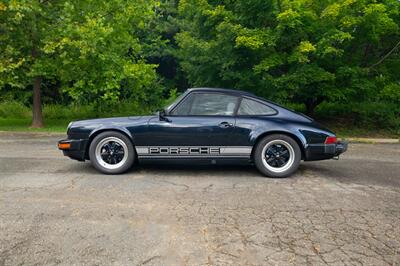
(207, 104)
(250, 107)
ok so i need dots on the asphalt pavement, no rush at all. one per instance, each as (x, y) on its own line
(55, 211)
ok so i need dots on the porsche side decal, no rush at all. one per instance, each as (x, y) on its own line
(193, 151)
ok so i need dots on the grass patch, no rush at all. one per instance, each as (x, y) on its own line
(23, 124)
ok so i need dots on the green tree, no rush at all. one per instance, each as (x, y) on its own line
(163, 30)
(90, 47)
(305, 51)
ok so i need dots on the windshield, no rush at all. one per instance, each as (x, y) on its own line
(178, 99)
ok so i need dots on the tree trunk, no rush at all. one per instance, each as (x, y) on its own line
(310, 108)
(37, 116)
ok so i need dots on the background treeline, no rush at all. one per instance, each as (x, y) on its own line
(338, 61)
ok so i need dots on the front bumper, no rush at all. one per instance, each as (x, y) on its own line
(73, 148)
(315, 152)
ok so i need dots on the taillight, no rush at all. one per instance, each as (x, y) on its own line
(330, 140)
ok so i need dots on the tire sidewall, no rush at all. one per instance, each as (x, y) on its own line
(259, 161)
(123, 168)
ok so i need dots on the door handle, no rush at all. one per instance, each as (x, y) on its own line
(225, 125)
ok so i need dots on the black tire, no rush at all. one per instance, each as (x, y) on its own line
(111, 165)
(279, 146)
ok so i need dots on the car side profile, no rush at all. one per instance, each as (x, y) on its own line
(205, 125)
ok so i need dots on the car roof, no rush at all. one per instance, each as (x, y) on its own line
(222, 91)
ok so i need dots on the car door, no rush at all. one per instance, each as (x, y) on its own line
(201, 123)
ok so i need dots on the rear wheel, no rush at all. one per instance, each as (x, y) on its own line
(111, 152)
(277, 156)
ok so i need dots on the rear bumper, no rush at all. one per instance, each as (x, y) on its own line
(315, 152)
(341, 147)
(75, 150)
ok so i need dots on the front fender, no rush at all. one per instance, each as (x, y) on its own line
(98, 130)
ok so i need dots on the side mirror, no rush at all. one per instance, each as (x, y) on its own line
(163, 116)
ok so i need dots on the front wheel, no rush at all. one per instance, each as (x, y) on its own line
(111, 152)
(277, 156)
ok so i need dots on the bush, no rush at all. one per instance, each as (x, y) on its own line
(370, 115)
(298, 107)
(68, 112)
(76, 112)
(13, 109)
(17, 110)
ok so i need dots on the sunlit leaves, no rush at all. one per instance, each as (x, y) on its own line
(289, 18)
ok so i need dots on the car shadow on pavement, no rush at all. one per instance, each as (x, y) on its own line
(176, 169)
(87, 168)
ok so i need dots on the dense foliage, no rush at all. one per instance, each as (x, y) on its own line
(305, 51)
(89, 50)
(345, 52)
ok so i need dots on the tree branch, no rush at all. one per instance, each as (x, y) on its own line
(386, 56)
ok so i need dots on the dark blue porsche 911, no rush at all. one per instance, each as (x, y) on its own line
(205, 125)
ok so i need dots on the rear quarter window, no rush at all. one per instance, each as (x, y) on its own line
(251, 107)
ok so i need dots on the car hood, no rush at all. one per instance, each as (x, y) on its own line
(114, 121)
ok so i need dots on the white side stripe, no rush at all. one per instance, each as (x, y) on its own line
(235, 150)
(193, 151)
(142, 150)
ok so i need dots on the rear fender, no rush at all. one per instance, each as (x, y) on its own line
(294, 133)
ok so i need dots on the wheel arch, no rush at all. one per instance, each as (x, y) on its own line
(95, 133)
(289, 134)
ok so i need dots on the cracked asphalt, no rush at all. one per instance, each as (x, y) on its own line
(57, 211)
